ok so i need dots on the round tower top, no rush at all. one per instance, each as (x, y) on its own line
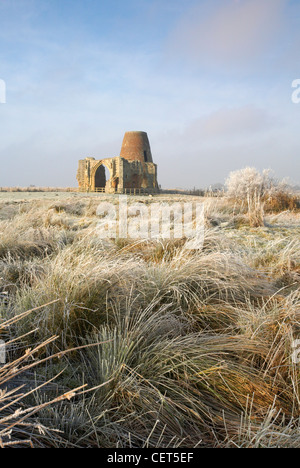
(136, 147)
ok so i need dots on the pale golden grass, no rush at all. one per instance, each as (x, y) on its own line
(186, 348)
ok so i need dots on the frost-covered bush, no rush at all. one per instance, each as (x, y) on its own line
(253, 189)
(250, 183)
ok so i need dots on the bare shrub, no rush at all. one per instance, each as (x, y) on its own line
(259, 191)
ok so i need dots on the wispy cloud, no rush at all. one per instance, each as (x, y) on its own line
(234, 123)
(229, 32)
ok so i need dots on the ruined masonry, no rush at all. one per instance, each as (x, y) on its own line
(133, 169)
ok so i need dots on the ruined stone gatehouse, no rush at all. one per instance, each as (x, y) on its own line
(133, 169)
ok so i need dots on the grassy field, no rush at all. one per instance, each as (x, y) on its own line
(123, 343)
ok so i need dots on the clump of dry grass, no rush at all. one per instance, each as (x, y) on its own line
(180, 347)
(282, 201)
(18, 425)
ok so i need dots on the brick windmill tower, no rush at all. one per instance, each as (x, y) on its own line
(136, 147)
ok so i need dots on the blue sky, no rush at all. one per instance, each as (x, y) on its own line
(209, 80)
